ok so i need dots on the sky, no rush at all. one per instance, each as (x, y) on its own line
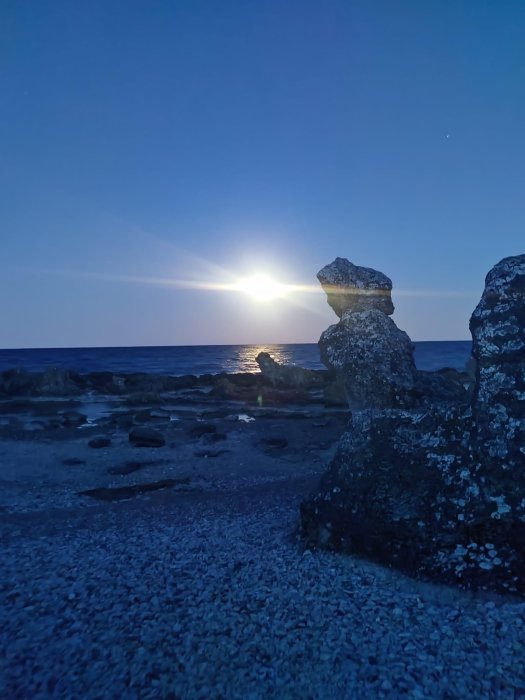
(151, 152)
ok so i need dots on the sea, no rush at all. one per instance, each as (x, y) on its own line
(207, 359)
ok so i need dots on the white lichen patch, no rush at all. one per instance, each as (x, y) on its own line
(432, 440)
(472, 491)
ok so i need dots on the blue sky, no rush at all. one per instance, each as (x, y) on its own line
(204, 141)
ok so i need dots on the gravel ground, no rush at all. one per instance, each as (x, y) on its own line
(195, 596)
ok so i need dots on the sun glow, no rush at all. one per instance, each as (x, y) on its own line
(261, 288)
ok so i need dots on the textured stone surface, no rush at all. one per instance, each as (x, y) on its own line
(441, 493)
(373, 357)
(498, 335)
(350, 287)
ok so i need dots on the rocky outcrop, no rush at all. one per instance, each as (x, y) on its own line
(441, 493)
(350, 287)
(288, 376)
(299, 379)
(498, 346)
(51, 382)
(373, 358)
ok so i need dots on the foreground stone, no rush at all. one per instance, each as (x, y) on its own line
(441, 493)
(99, 442)
(146, 437)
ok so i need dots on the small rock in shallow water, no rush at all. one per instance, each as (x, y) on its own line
(146, 437)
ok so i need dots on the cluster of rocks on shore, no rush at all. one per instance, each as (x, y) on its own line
(275, 385)
(439, 492)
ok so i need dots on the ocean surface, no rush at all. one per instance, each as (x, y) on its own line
(207, 359)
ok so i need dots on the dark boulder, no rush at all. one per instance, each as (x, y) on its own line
(388, 492)
(146, 437)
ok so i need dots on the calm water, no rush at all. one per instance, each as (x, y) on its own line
(204, 359)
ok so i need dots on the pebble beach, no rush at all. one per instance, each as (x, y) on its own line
(206, 589)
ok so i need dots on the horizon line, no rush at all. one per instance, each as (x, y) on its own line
(195, 345)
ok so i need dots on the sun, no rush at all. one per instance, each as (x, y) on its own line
(261, 288)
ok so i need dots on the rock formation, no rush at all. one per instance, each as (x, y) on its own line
(353, 288)
(441, 493)
(371, 355)
(289, 375)
(498, 334)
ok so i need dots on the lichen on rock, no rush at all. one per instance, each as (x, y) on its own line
(373, 358)
(351, 287)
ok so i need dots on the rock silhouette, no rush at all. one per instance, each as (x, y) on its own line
(373, 358)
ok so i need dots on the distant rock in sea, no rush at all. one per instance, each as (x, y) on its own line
(440, 493)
